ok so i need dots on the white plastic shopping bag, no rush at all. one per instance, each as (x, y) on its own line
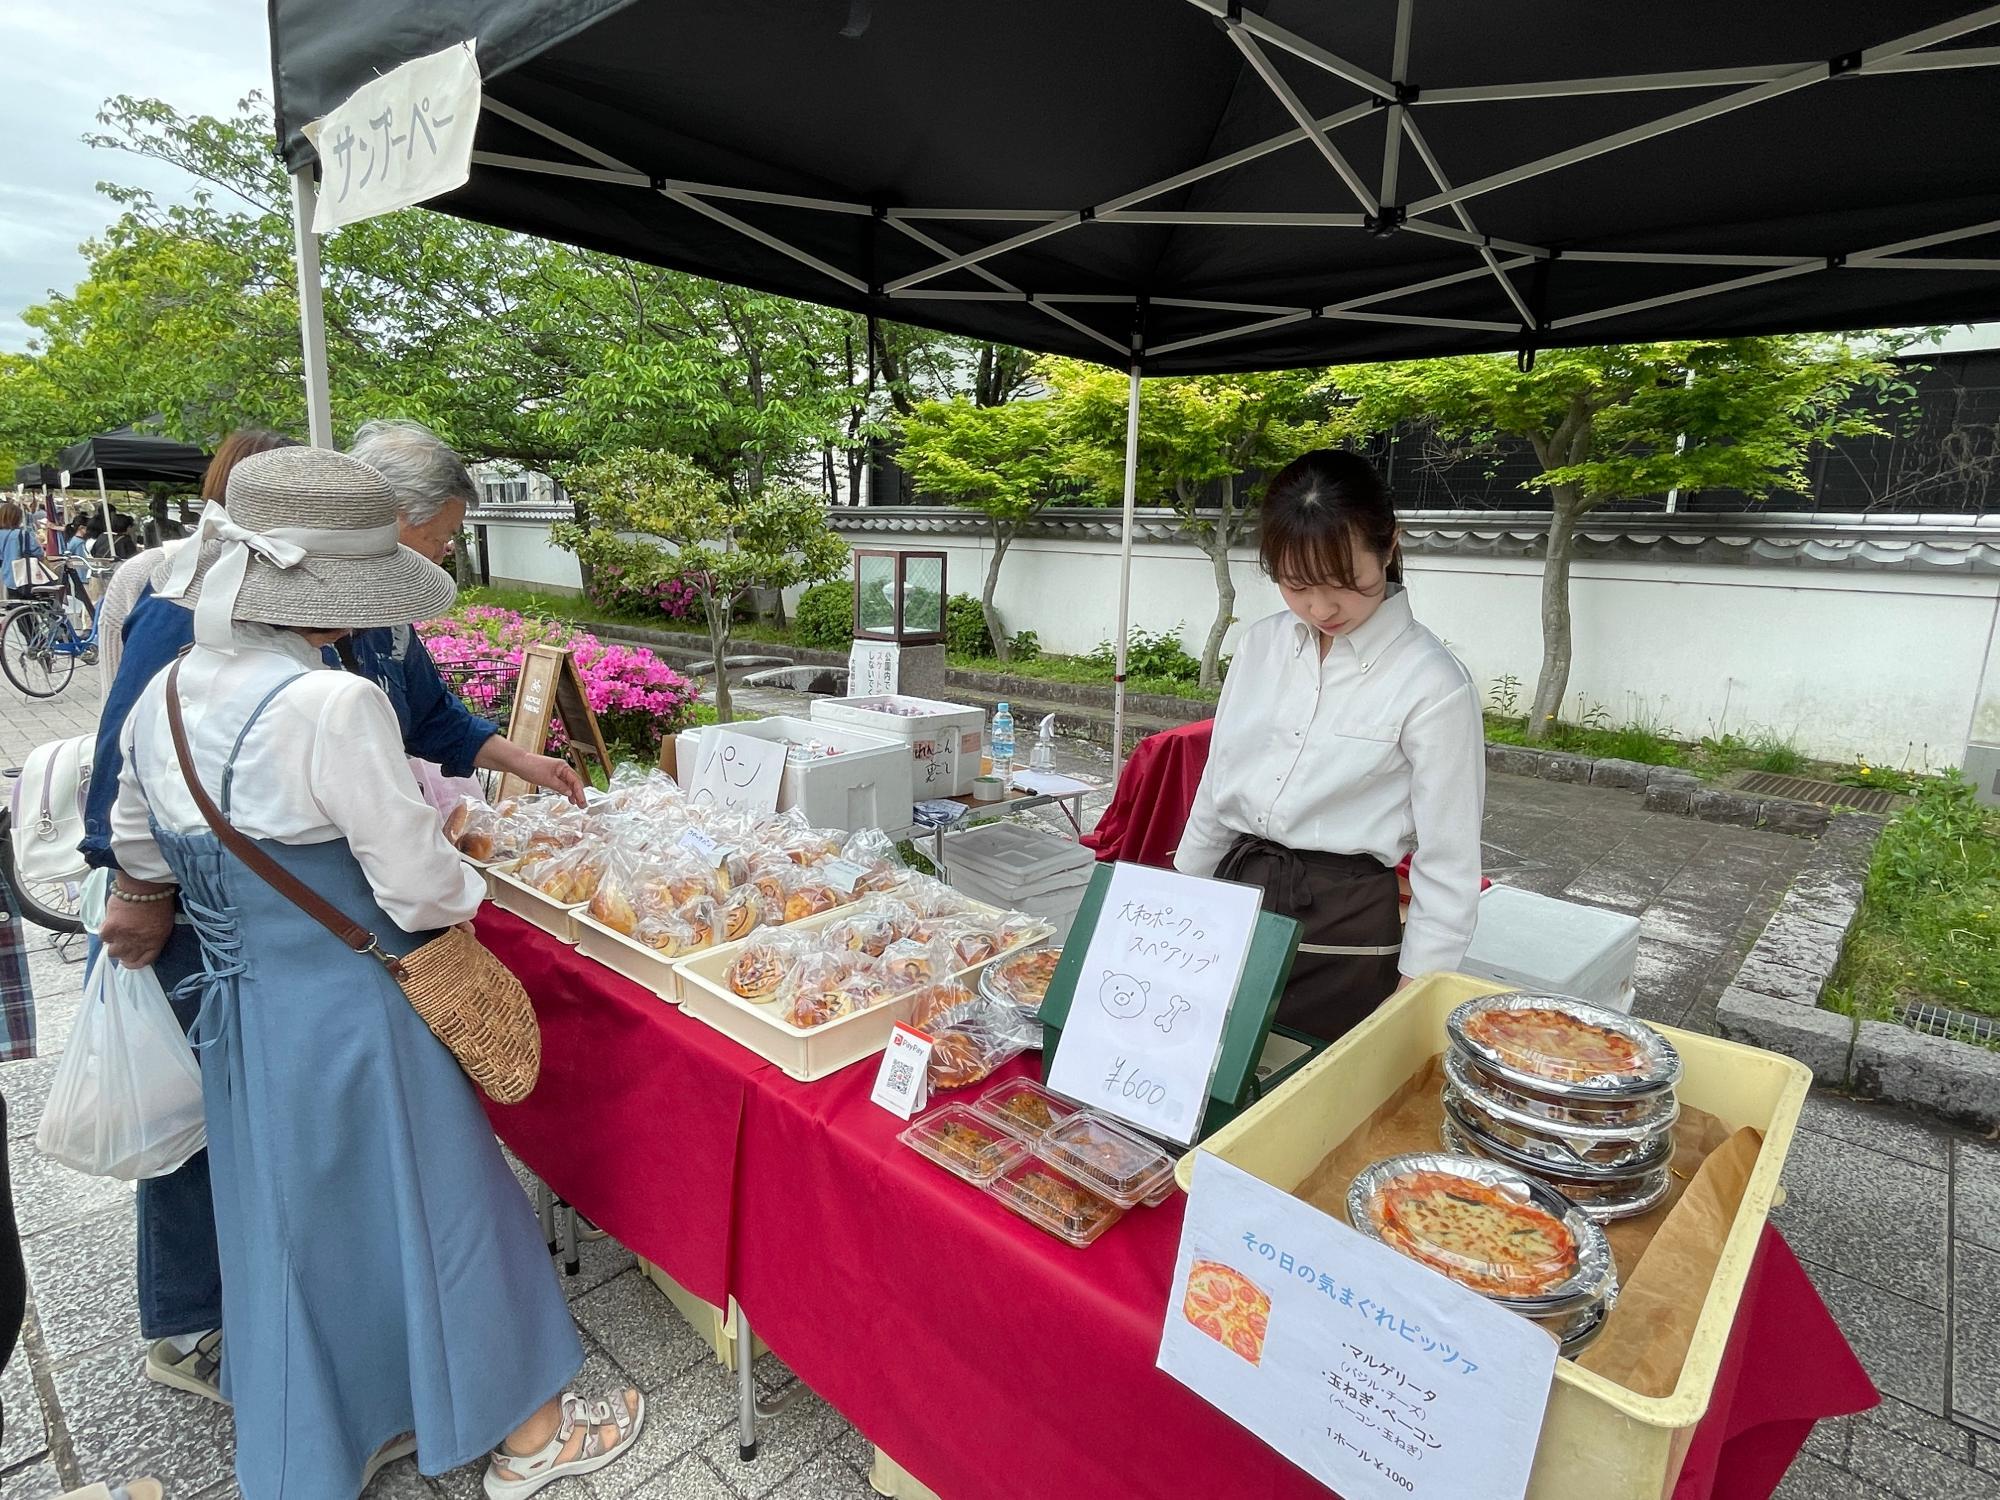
(125, 1101)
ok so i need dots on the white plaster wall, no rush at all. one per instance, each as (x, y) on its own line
(1899, 666)
(519, 554)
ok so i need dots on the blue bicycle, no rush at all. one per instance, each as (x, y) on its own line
(44, 636)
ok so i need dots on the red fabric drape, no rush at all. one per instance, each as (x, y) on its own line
(987, 1358)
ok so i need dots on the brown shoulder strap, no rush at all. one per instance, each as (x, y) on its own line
(350, 932)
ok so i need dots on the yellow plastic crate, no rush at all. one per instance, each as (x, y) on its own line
(716, 1327)
(1599, 1440)
(887, 1477)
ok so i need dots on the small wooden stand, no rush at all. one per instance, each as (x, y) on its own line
(551, 685)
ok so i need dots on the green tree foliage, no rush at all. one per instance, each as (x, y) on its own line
(509, 347)
(1198, 435)
(653, 514)
(1006, 461)
(1627, 421)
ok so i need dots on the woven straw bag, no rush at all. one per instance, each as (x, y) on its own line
(468, 998)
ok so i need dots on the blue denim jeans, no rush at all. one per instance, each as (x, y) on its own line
(180, 1269)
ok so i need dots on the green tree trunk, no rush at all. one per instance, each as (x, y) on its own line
(718, 643)
(1003, 537)
(1216, 542)
(1553, 683)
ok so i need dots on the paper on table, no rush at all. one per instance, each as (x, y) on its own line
(1049, 784)
(1373, 1374)
(737, 772)
(1153, 994)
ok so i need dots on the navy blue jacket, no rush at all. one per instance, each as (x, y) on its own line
(436, 726)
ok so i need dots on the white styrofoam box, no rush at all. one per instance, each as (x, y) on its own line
(943, 737)
(1538, 942)
(1015, 853)
(867, 785)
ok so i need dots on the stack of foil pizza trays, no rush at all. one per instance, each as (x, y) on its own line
(1576, 1096)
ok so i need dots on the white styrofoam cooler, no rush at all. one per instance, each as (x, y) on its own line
(867, 785)
(1538, 942)
(943, 737)
(1014, 865)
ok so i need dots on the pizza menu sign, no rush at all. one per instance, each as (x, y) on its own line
(1374, 1374)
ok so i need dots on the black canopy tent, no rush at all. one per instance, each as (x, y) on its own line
(126, 458)
(35, 476)
(1180, 186)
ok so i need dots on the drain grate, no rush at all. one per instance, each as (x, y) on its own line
(1942, 1020)
(1824, 793)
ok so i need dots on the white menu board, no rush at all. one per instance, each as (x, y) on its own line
(1375, 1375)
(1152, 996)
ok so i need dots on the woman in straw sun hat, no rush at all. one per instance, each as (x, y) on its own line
(384, 1282)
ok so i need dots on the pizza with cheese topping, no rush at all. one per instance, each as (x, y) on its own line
(1554, 1044)
(1229, 1307)
(1477, 1235)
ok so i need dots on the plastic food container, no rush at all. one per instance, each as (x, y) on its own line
(1604, 1199)
(1021, 979)
(1023, 1108)
(1124, 1167)
(557, 919)
(1580, 1053)
(1582, 1139)
(964, 1143)
(1600, 1440)
(1571, 1268)
(1050, 1200)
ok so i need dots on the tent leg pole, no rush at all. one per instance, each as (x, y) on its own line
(1125, 572)
(312, 317)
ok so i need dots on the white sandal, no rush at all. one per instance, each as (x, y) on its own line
(515, 1476)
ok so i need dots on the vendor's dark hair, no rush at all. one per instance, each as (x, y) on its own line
(1316, 510)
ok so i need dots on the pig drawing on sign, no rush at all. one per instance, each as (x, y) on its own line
(1123, 996)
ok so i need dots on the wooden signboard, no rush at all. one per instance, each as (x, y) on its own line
(551, 685)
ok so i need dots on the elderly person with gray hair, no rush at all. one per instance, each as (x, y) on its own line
(180, 1294)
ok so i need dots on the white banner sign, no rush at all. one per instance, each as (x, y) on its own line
(737, 772)
(1377, 1376)
(399, 140)
(873, 669)
(1154, 991)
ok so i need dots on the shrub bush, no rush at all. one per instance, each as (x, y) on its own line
(629, 591)
(965, 632)
(825, 616)
(1151, 653)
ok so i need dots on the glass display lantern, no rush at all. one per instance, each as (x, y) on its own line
(900, 597)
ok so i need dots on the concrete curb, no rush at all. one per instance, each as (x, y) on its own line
(1775, 999)
(1666, 789)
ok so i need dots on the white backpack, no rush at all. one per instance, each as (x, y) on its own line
(48, 810)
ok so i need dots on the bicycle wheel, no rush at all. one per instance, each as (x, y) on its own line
(55, 905)
(31, 655)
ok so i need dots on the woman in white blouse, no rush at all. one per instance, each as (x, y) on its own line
(1347, 735)
(384, 1285)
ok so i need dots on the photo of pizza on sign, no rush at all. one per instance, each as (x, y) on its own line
(1229, 1307)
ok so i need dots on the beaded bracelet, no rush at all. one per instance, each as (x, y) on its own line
(138, 900)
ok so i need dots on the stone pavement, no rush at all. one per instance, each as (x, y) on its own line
(1898, 1222)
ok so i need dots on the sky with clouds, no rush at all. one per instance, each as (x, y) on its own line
(198, 55)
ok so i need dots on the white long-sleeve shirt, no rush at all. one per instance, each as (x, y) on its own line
(1376, 750)
(325, 761)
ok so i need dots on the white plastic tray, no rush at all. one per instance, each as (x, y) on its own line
(510, 893)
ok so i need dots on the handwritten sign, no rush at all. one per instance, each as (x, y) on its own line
(904, 1077)
(1374, 1374)
(398, 139)
(1152, 997)
(737, 772)
(873, 669)
(550, 687)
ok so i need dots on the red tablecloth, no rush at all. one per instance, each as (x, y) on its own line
(986, 1357)
(1149, 806)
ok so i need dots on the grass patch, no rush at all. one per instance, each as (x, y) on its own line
(1929, 927)
(1630, 742)
(1082, 669)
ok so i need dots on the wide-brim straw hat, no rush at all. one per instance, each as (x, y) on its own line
(308, 537)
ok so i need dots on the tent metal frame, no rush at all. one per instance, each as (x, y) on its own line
(1381, 206)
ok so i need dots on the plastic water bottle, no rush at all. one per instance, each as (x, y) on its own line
(1003, 740)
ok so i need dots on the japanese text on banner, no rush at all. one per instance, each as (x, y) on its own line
(399, 139)
(1374, 1374)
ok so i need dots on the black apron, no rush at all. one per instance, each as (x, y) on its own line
(1351, 929)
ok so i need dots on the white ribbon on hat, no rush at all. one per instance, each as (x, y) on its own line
(283, 547)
